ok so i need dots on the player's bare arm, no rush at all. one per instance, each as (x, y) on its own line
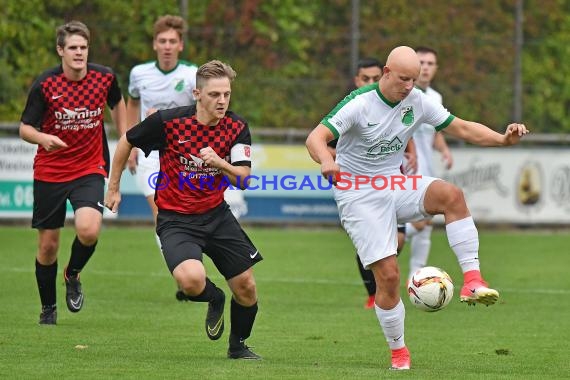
(318, 150)
(133, 112)
(482, 135)
(232, 172)
(113, 195)
(47, 141)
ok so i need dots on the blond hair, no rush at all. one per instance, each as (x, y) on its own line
(214, 69)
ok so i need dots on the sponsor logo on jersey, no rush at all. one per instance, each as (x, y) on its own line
(385, 147)
(78, 113)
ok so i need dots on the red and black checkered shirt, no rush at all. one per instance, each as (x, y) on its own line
(185, 184)
(74, 112)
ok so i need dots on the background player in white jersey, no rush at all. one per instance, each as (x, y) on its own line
(165, 83)
(374, 125)
(426, 139)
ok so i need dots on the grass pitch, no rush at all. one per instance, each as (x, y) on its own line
(311, 322)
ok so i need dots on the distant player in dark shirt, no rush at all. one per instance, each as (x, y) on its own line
(202, 148)
(64, 115)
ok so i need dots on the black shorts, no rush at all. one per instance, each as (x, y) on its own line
(216, 233)
(50, 199)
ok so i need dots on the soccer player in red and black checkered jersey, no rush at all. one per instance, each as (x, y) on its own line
(202, 149)
(64, 116)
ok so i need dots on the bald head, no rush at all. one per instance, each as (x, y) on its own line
(401, 70)
(404, 59)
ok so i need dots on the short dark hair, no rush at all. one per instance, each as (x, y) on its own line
(214, 69)
(425, 49)
(367, 62)
(69, 29)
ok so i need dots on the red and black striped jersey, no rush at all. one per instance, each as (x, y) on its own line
(74, 112)
(186, 184)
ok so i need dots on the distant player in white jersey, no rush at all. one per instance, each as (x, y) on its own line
(373, 125)
(426, 139)
(164, 83)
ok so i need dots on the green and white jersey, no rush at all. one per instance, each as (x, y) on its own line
(424, 137)
(162, 89)
(373, 132)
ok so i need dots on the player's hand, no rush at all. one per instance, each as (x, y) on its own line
(447, 159)
(514, 133)
(112, 200)
(211, 158)
(330, 170)
(132, 161)
(52, 143)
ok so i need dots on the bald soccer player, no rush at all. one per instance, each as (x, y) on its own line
(374, 127)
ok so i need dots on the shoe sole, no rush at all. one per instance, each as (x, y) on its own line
(487, 298)
(244, 357)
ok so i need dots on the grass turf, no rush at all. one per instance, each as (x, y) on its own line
(311, 322)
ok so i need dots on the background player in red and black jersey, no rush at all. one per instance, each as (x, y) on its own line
(64, 115)
(203, 148)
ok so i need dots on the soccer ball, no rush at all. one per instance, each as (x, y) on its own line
(430, 289)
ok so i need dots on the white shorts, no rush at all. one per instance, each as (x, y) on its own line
(147, 172)
(370, 216)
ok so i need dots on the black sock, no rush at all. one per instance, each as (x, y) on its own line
(80, 255)
(242, 318)
(210, 292)
(367, 277)
(45, 277)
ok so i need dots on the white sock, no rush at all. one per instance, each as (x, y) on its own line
(420, 245)
(463, 239)
(392, 323)
(410, 231)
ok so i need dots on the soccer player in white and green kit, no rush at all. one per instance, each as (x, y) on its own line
(373, 125)
(166, 82)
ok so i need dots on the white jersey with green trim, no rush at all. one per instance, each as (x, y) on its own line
(162, 89)
(424, 138)
(373, 132)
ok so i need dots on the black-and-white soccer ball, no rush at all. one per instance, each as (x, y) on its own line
(430, 289)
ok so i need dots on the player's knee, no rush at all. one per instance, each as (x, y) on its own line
(88, 236)
(191, 286)
(454, 198)
(47, 250)
(245, 291)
